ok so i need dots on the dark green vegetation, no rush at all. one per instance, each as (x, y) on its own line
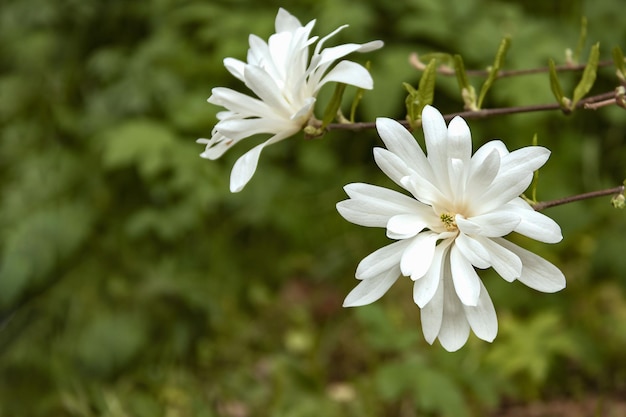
(132, 283)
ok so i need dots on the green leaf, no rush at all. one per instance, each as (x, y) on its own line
(424, 95)
(494, 70)
(467, 91)
(618, 60)
(589, 75)
(333, 105)
(555, 86)
(426, 88)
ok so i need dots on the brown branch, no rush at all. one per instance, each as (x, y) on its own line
(560, 201)
(447, 71)
(587, 103)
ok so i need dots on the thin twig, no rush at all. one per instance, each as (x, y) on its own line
(560, 201)
(485, 113)
(447, 71)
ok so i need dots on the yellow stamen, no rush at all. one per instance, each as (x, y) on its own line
(448, 221)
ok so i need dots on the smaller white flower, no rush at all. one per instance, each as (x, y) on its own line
(286, 85)
(460, 208)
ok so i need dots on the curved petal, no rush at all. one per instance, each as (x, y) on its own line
(404, 226)
(466, 281)
(381, 260)
(482, 318)
(455, 328)
(370, 290)
(265, 87)
(245, 166)
(537, 273)
(373, 206)
(402, 143)
(286, 22)
(350, 73)
(392, 165)
(535, 225)
(494, 224)
(506, 263)
(481, 173)
(436, 135)
(473, 251)
(459, 140)
(432, 313)
(418, 255)
(425, 288)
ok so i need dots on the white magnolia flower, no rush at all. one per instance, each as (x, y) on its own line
(286, 83)
(460, 209)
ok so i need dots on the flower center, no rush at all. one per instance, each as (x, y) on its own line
(448, 221)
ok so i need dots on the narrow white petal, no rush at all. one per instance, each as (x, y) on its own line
(264, 86)
(436, 137)
(350, 73)
(425, 288)
(285, 21)
(494, 224)
(482, 172)
(237, 129)
(523, 160)
(465, 278)
(392, 165)
(506, 263)
(245, 166)
(431, 314)
(537, 273)
(455, 328)
(535, 225)
(424, 191)
(381, 260)
(373, 206)
(459, 140)
(473, 251)
(235, 67)
(404, 226)
(418, 256)
(372, 289)
(482, 318)
(402, 143)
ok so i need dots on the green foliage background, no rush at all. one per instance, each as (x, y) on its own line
(132, 283)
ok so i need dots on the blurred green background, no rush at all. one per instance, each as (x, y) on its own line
(132, 283)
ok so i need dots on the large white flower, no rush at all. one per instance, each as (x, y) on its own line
(286, 83)
(460, 209)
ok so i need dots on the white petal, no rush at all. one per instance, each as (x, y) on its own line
(264, 86)
(473, 251)
(425, 191)
(392, 165)
(466, 281)
(285, 21)
(381, 260)
(373, 206)
(455, 328)
(370, 290)
(350, 73)
(432, 314)
(240, 103)
(245, 166)
(404, 226)
(235, 67)
(537, 273)
(425, 288)
(482, 172)
(418, 256)
(436, 135)
(482, 318)
(459, 140)
(535, 225)
(494, 224)
(400, 141)
(237, 129)
(506, 263)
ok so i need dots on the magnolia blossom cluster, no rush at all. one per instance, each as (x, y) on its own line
(286, 83)
(458, 208)
(454, 220)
